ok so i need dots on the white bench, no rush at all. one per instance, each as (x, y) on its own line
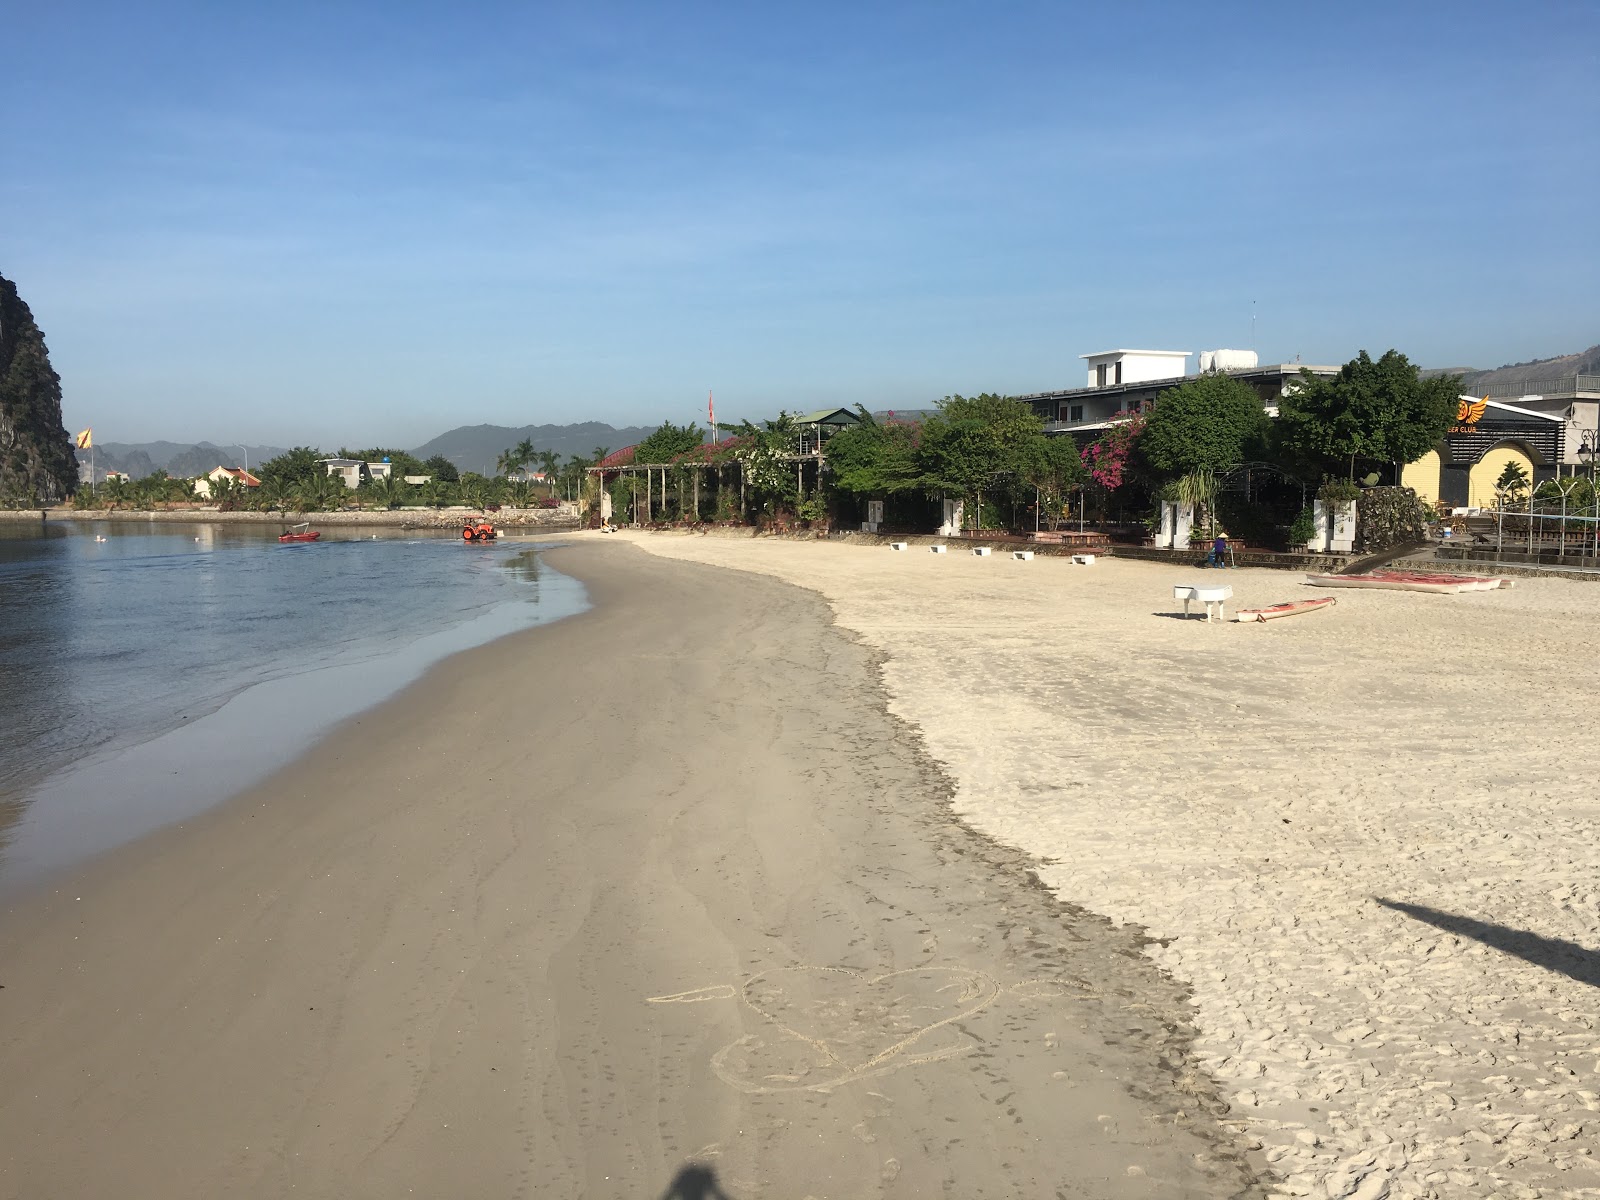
(899, 545)
(1022, 555)
(938, 549)
(1214, 598)
(981, 551)
(1083, 560)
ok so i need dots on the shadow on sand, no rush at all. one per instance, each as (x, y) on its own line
(1553, 954)
(695, 1182)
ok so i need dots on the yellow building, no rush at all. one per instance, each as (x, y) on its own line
(1488, 436)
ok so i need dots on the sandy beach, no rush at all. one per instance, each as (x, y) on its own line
(1366, 838)
(664, 883)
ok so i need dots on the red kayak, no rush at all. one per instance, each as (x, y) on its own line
(1412, 581)
(1287, 609)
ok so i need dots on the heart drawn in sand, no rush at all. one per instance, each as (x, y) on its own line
(825, 1026)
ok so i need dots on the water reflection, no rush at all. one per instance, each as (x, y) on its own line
(106, 646)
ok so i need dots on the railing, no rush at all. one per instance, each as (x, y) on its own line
(1543, 526)
(1570, 385)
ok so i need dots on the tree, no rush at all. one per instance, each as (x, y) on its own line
(515, 458)
(664, 445)
(441, 468)
(473, 489)
(1371, 412)
(979, 442)
(549, 463)
(1513, 482)
(320, 493)
(401, 462)
(1213, 421)
(292, 468)
(870, 458)
(1054, 467)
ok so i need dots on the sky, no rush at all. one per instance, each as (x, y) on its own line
(365, 224)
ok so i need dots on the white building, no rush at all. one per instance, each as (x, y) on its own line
(1110, 368)
(354, 472)
(202, 485)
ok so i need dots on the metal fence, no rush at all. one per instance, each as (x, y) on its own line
(1547, 526)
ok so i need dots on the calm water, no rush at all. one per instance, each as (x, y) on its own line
(150, 675)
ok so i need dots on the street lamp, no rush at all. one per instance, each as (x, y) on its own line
(246, 451)
(1588, 450)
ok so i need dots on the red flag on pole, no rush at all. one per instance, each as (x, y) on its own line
(711, 408)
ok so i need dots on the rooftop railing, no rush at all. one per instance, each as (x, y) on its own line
(1569, 385)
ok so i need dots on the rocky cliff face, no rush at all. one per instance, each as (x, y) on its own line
(36, 459)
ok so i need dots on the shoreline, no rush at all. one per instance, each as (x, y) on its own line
(1380, 891)
(552, 519)
(492, 952)
(121, 794)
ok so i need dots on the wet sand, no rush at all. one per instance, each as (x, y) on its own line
(663, 883)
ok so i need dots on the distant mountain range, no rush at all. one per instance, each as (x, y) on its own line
(178, 459)
(475, 447)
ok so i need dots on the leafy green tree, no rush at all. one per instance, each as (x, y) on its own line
(292, 468)
(873, 458)
(664, 445)
(978, 443)
(1370, 413)
(1054, 467)
(1213, 421)
(441, 468)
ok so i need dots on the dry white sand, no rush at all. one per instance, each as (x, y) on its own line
(1366, 837)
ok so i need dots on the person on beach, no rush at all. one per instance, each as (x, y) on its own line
(1219, 552)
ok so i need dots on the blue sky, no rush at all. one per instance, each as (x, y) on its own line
(369, 223)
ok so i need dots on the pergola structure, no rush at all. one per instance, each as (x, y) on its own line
(812, 431)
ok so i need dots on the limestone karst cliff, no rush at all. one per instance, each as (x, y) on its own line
(37, 464)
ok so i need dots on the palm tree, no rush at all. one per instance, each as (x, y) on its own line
(473, 489)
(549, 462)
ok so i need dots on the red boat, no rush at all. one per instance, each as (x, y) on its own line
(1288, 608)
(300, 533)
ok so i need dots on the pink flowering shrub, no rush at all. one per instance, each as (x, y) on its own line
(1107, 457)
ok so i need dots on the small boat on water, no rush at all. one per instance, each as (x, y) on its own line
(300, 533)
(1412, 581)
(1288, 608)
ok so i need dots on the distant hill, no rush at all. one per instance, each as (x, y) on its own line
(1586, 362)
(179, 459)
(475, 447)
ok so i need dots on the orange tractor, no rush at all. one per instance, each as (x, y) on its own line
(478, 531)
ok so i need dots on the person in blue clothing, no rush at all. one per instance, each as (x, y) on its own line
(1219, 552)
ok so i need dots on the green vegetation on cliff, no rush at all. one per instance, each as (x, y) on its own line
(36, 460)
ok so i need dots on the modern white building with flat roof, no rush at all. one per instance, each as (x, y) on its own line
(1112, 367)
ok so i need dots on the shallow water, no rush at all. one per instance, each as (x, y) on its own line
(149, 675)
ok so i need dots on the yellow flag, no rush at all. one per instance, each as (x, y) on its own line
(84, 440)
